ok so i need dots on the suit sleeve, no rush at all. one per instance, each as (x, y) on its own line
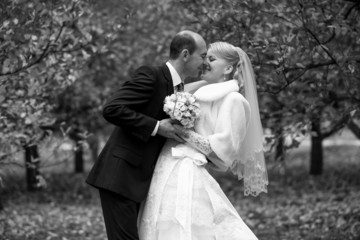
(124, 108)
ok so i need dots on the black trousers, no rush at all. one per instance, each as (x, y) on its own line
(120, 216)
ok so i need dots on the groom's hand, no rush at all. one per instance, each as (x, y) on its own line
(181, 131)
(166, 129)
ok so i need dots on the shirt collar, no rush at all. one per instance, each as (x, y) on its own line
(174, 74)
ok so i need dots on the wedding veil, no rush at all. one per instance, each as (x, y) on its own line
(251, 163)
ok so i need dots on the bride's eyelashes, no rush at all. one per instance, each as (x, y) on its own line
(211, 59)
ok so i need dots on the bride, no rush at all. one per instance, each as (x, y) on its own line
(184, 201)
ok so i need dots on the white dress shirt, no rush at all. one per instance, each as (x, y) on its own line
(176, 79)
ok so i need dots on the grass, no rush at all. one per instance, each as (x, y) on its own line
(298, 206)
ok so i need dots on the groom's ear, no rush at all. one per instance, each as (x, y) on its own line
(228, 69)
(185, 54)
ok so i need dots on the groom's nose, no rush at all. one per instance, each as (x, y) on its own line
(203, 66)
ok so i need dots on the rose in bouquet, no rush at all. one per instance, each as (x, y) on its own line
(182, 106)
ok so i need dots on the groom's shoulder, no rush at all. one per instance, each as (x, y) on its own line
(145, 68)
(148, 68)
(149, 71)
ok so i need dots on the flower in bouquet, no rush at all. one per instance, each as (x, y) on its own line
(182, 106)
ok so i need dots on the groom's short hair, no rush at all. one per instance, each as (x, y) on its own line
(181, 41)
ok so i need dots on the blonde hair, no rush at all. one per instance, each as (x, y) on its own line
(228, 52)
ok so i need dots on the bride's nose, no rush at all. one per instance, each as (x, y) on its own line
(206, 60)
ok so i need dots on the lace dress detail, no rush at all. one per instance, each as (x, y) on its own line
(253, 174)
(196, 140)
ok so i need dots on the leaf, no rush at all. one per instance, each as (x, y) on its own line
(1, 186)
(6, 66)
(28, 121)
(300, 65)
(290, 37)
(6, 23)
(2, 93)
(351, 68)
(355, 229)
(20, 135)
(353, 112)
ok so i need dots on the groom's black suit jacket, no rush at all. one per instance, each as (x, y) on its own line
(126, 163)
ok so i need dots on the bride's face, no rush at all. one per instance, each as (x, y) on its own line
(215, 68)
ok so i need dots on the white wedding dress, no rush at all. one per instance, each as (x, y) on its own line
(184, 201)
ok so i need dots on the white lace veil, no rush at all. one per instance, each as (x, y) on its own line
(251, 163)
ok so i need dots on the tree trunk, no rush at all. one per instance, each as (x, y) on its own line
(79, 159)
(1, 193)
(316, 157)
(1, 204)
(280, 154)
(93, 142)
(32, 167)
(76, 136)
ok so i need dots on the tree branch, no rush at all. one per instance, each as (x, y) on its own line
(330, 38)
(304, 69)
(354, 128)
(40, 58)
(321, 45)
(3, 157)
(288, 83)
(347, 14)
(312, 65)
(337, 126)
(349, 98)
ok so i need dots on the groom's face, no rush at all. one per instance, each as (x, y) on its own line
(196, 60)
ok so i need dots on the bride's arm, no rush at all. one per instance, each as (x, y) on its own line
(196, 140)
(193, 86)
(223, 145)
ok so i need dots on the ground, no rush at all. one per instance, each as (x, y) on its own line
(298, 206)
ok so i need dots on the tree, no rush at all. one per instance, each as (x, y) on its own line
(42, 51)
(61, 60)
(125, 35)
(305, 55)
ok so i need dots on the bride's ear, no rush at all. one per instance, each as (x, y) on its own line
(228, 69)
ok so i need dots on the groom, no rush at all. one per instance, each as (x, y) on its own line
(124, 168)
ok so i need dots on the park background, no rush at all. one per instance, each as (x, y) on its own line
(61, 59)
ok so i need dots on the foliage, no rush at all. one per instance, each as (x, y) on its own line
(125, 35)
(77, 52)
(136, 33)
(305, 55)
(43, 49)
(60, 60)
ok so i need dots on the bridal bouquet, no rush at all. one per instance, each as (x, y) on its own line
(182, 106)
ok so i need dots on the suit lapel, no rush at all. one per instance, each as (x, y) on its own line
(166, 72)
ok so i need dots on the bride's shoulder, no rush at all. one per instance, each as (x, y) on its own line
(235, 102)
(235, 98)
(193, 86)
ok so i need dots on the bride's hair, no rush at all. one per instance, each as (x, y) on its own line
(229, 53)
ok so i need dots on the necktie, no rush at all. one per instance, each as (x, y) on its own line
(179, 87)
